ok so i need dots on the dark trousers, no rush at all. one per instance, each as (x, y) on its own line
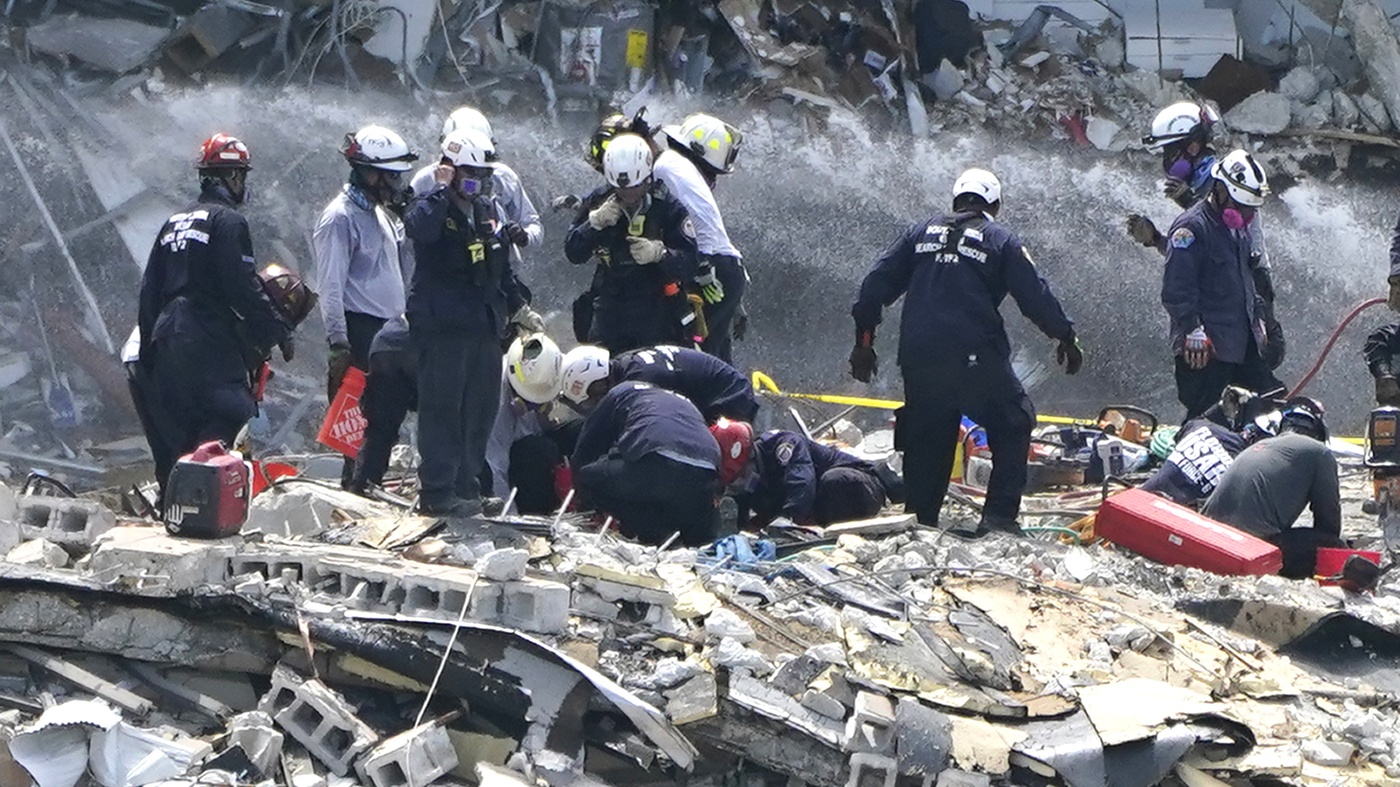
(719, 317)
(391, 391)
(847, 494)
(360, 329)
(189, 405)
(1299, 546)
(628, 323)
(1198, 389)
(459, 389)
(936, 397)
(162, 454)
(653, 497)
(534, 464)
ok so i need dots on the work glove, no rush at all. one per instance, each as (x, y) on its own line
(339, 363)
(528, 319)
(710, 287)
(1387, 391)
(1393, 302)
(1069, 355)
(565, 202)
(864, 362)
(1175, 189)
(289, 349)
(606, 214)
(645, 251)
(1142, 230)
(1196, 348)
(740, 327)
(517, 234)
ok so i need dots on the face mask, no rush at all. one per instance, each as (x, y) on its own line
(1234, 219)
(1180, 169)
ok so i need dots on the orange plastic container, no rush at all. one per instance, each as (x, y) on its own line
(344, 427)
(1330, 562)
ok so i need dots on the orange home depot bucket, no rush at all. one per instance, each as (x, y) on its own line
(265, 474)
(344, 427)
(1330, 562)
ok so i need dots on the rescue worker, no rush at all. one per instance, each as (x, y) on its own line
(1380, 350)
(391, 393)
(1209, 289)
(360, 263)
(1203, 453)
(953, 351)
(700, 150)
(521, 453)
(204, 316)
(713, 386)
(1182, 134)
(1271, 482)
(646, 457)
(463, 296)
(523, 220)
(645, 246)
(783, 478)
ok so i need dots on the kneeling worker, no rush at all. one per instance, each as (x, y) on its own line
(1272, 481)
(782, 478)
(712, 385)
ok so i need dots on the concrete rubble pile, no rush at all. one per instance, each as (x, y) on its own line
(340, 641)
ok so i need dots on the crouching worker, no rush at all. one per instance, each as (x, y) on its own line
(716, 388)
(1271, 482)
(783, 478)
(1207, 446)
(646, 457)
(524, 452)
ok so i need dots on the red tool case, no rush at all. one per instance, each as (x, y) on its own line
(1169, 533)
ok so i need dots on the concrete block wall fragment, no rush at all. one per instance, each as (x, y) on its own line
(68, 521)
(159, 560)
(536, 605)
(436, 591)
(357, 584)
(868, 769)
(318, 718)
(410, 759)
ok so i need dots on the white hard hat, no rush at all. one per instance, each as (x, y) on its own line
(1243, 178)
(1179, 122)
(467, 147)
(583, 366)
(980, 182)
(534, 367)
(710, 138)
(467, 117)
(378, 147)
(627, 161)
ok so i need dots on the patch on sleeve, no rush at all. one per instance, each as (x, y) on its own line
(1183, 238)
(784, 453)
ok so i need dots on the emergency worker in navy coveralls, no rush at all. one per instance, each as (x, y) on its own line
(205, 319)
(955, 270)
(1209, 290)
(463, 295)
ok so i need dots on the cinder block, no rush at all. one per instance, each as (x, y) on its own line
(825, 704)
(952, 777)
(536, 605)
(410, 759)
(357, 584)
(66, 521)
(871, 725)
(436, 591)
(151, 559)
(872, 770)
(592, 605)
(318, 718)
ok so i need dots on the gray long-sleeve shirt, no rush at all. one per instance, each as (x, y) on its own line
(1271, 482)
(360, 265)
(514, 420)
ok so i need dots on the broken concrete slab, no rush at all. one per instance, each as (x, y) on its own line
(38, 552)
(1261, 113)
(150, 560)
(115, 45)
(413, 758)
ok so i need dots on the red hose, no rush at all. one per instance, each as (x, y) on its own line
(1359, 308)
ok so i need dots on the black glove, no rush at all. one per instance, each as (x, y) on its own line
(864, 363)
(517, 234)
(339, 363)
(1177, 190)
(289, 349)
(1142, 230)
(740, 327)
(1068, 355)
(1387, 391)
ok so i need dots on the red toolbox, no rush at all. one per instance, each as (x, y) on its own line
(1157, 528)
(207, 494)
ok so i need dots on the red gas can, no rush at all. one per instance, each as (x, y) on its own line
(1164, 531)
(207, 495)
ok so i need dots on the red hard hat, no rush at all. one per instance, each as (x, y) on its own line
(735, 440)
(288, 293)
(222, 150)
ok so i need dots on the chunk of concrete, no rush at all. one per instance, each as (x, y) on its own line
(413, 758)
(39, 553)
(1103, 134)
(318, 718)
(871, 725)
(71, 522)
(261, 742)
(872, 770)
(1333, 754)
(536, 605)
(503, 565)
(825, 704)
(154, 561)
(1344, 110)
(1373, 114)
(1261, 113)
(725, 623)
(1301, 85)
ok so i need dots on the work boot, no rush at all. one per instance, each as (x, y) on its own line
(726, 517)
(492, 506)
(452, 508)
(999, 523)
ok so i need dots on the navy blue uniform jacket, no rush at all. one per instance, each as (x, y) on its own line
(712, 385)
(789, 467)
(636, 419)
(1209, 281)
